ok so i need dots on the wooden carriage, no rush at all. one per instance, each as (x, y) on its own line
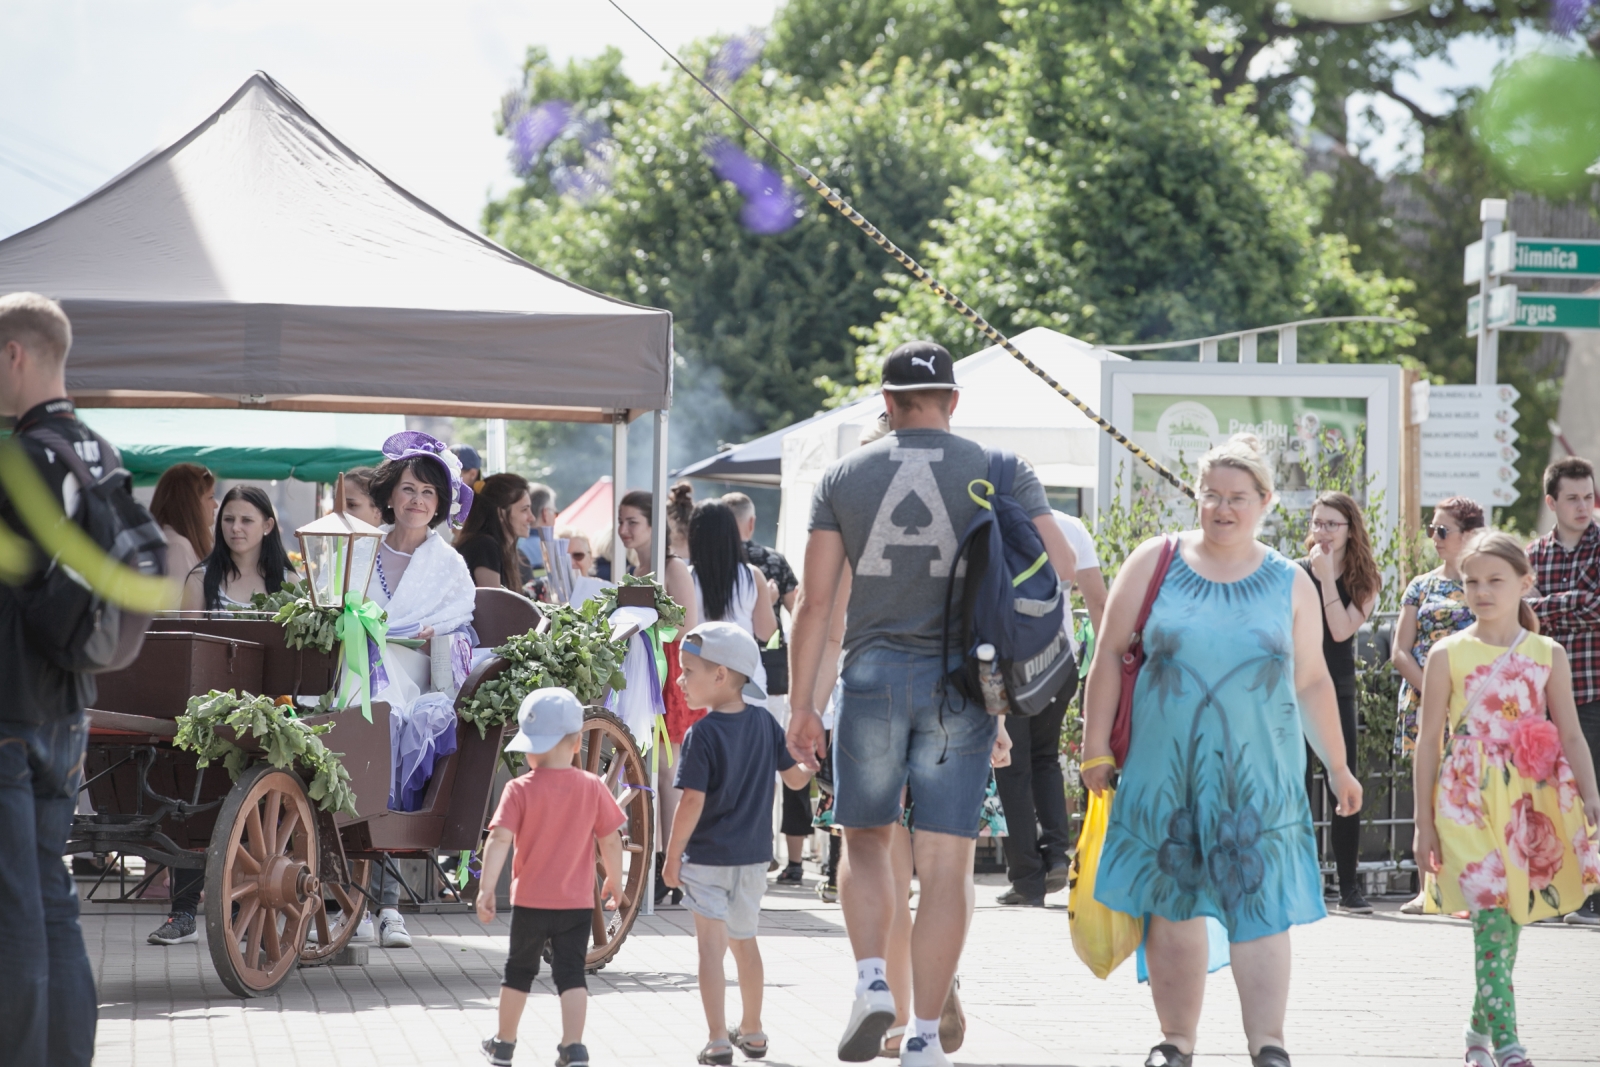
(285, 883)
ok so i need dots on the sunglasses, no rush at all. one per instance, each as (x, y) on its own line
(1440, 532)
(578, 557)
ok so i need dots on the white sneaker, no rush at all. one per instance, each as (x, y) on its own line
(916, 1052)
(392, 930)
(364, 933)
(870, 1018)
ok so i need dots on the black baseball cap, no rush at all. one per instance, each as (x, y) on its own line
(919, 365)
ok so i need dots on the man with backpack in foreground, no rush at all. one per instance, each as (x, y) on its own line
(895, 511)
(48, 1011)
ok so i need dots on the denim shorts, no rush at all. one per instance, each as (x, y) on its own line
(889, 732)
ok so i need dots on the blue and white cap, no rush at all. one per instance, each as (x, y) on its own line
(730, 646)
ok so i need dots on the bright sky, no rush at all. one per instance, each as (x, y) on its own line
(88, 86)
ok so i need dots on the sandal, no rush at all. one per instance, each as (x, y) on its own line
(1165, 1055)
(952, 1020)
(896, 1034)
(717, 1052)
(753, 1044)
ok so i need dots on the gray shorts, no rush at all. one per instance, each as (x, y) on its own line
(729, 895)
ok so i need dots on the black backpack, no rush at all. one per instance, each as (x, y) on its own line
(1011, 600)
(72, 625)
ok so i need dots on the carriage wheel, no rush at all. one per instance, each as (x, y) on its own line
(609, 751)
(261, 882)
(333, 936)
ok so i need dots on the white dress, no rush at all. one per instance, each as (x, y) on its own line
(435, 590)
(741, 609)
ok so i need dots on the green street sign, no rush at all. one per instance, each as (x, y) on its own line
(1474, 315)
(1548, 312)
(1543, 257)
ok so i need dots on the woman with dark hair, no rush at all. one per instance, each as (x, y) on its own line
(247, 555)
(184, 506)
(502, 513)
(358, 495)
(680, 510)
(1433, 607)
(636, 529)
(1346, 576)
(727, 587)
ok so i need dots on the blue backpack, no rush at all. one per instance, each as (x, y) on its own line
(1011, 599)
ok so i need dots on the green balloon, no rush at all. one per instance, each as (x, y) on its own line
(1539, 123)
(1353, 11)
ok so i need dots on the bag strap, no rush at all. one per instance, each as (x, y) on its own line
(1169, 548)
(1496, 668)
(110, 458)
(1002, 470)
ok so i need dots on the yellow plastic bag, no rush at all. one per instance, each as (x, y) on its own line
(1103, 938)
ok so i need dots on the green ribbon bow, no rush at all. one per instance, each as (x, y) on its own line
(362, 618)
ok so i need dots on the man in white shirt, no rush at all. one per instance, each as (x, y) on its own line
(1031, 789)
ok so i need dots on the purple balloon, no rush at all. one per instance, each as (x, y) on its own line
(769, 205)
(735, 57)
(534, 128)
(1566, 14)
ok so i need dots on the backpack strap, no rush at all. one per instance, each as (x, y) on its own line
(1002, 470)
(110, 458)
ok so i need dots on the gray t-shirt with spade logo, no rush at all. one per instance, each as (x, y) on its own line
(901, 504)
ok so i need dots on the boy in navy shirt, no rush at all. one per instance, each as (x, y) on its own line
(722, 835)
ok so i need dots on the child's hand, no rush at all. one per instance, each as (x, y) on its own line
(611, 895)
(672, 872)
(485, 904)
(1425, 847)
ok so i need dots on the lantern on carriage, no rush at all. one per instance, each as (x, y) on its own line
(339, 551)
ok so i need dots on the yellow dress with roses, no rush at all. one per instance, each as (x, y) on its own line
(1510, 821)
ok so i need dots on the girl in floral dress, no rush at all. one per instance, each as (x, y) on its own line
(1505, 795)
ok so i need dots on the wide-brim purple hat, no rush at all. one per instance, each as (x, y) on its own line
(409, 444)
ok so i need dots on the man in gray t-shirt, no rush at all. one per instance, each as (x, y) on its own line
(894, 513)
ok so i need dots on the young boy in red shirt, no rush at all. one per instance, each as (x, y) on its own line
(555, 814)
(722, 833)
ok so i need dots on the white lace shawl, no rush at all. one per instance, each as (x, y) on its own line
(436, 590)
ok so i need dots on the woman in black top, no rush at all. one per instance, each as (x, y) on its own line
(501, 514)
(1346, 576)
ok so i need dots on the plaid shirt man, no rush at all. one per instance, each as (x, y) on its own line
(1568, 604)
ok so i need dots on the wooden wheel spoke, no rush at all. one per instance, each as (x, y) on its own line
(286, 830)
(324, 928)
(271, 940)
(244, 889)
(592, 757)
(251, 865)
(254, 836)
(269, 822)
(252, 938)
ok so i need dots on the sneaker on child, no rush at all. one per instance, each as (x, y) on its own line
(392, 932)
(498, 1052)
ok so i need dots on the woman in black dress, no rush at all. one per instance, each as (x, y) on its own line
(1340, 563)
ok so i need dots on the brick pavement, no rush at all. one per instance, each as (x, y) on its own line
(1378, 990)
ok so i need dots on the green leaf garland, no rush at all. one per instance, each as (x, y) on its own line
(576, 651)
(671, 612)
(285, 741)
(304, 624)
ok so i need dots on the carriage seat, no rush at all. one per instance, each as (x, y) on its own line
(501, 614)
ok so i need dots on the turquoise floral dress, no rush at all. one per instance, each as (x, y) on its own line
(1211, 818)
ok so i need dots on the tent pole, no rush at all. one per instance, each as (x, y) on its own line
(658, 485)
(495, 445)
(619, 489)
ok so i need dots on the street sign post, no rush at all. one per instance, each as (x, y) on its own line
(1501, 255)
(1469, 444)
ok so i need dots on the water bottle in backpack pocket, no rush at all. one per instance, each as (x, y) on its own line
(1011, 600)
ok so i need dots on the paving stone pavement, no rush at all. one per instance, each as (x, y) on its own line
(1384, 989)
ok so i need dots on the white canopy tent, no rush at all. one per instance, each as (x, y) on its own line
(1003, 405)
(259, 263)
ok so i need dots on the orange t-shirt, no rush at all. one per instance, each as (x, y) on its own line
(555, 814)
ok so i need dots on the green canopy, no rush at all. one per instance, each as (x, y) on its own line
(310, 446)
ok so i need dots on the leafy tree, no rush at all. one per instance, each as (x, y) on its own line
(771, 312)
(1125, 204)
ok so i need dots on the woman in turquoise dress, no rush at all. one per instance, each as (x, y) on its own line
(1210, 818)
